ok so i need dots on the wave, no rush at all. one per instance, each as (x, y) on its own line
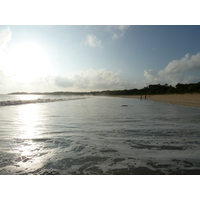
(39, 100)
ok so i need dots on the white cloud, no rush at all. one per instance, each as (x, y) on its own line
(151, 76)
(5, 36)
(93, 41)
(117, 31)
(2, 77)
(90, 80)
(176, 71)
(63, 82)
(93, 80)
(187, 63)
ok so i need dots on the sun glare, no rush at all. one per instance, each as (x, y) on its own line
(28, 61)
(29, 117)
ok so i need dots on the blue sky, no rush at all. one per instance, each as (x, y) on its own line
(90, 58)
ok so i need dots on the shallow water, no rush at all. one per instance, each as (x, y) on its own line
(99, 135)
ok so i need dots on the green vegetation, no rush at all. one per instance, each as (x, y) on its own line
(151, 89)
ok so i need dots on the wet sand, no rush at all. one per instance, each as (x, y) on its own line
(191, 100)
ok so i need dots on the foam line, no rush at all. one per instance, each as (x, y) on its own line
(39, 100)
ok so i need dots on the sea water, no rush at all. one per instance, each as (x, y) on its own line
(97, 135)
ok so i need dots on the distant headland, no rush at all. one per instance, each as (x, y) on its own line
(149, 90)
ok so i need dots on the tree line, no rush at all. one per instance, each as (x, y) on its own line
(149, 90)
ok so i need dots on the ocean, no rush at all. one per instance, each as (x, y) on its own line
(44, 134)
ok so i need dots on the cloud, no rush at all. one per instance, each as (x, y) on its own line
(187, 63)
(85, 81)
(89, 80)
(93, 41)
(5, 36)
(117, 31)
(63, 82)
(93, 80)
(2, 77)
(176, 71)
(151, 76)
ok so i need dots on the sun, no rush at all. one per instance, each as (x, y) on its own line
(28, 61)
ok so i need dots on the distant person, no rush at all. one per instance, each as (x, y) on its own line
(141, 97)
(145, 97)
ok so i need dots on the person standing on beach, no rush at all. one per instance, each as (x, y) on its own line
(141, 97)
(145, 97)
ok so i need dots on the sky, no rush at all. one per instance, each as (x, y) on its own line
(89, 58)
(47, 58)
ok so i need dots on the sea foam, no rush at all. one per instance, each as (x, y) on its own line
(39, 100)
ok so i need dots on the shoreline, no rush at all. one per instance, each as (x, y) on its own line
(189, 100)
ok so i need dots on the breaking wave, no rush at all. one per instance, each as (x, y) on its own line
(39, 100)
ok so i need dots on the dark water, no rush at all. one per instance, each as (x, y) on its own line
(98, 135)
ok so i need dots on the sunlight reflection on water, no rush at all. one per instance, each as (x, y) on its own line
(98, 136)
(28, 97)
(27, 118)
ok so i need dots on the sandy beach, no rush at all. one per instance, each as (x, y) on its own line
(191, 100)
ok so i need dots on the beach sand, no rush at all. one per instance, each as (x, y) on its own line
(191, 100)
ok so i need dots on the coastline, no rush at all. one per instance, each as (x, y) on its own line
(190, 100)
